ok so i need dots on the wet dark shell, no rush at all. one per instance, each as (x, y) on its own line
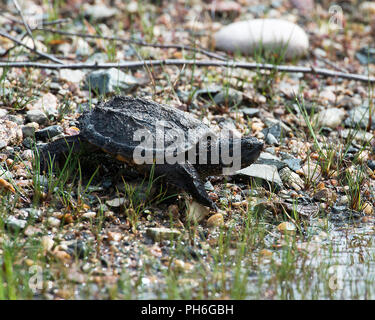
(112, 125)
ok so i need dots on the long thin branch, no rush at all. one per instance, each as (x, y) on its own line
(199, 63)
(326, 61)
(5, 53)
(44, 22)
(55, 22)
(16, 4)
(137, 42)
(42, 54)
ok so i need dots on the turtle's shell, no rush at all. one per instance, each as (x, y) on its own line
(113, 125)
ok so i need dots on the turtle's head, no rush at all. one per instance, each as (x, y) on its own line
(229, 155)
(250, 150)
(237, 153)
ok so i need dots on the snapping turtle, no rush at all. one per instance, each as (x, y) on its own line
(118, 125)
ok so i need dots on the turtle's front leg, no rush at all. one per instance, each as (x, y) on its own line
(186, 177)
(52, 151)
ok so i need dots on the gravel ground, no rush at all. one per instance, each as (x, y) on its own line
(95, 229)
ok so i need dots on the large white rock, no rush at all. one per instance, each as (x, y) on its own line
(271, 35)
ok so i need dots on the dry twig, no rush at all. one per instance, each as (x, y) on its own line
(199, 63)
(42, 54)
(18, 8)
(137, 42)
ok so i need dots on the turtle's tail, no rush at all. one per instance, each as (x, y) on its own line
(52, 152)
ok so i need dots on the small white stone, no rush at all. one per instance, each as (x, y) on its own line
(74, 76)
(54, 222)
(89, 215)
(196, 212)
(47, 243)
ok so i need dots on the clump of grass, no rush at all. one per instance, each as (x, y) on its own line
(264, 81)
(16, 97)
(138, 198)
(355, 179)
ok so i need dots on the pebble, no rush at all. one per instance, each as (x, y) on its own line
(132, 7)
(367, 8)
(215, 220)
(27, 155)
(274, 131)
(312, 171)
(114, 236)
(75, 76)
(196, 212)
(293, 164)
(304, 7)
(343, 200)
(106, 81)
(15, 224)
(287, 228)
(29, 129)
(82, 47)
(182, 266)
(5, 185)
(5, 174)
(272, 35)
(159, 234)
(331, 117)
(271, 139)
(54, 222)
(78, 249)
(10, 133)
(270, 159)
(32, 231)
(62, 256)
(54, 86)
(47, 243)
(366, 55)
(371, 164)
(97, 57)
(3, 113)
(115, 203)
(265, 172)
(249, 112)
(16, 119)
(325, 195)
(368, 209)
(359, 116)
(89, 215)
(256, 127)
(357, 135)
(48, 132)
(28, 143)
(37, 116)
(265, 253)
(208, 186)
(47, 103)
(228, 97)
(99, 11)
(291, 179)
(228, 7)
(327, 96)
(270, 122)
